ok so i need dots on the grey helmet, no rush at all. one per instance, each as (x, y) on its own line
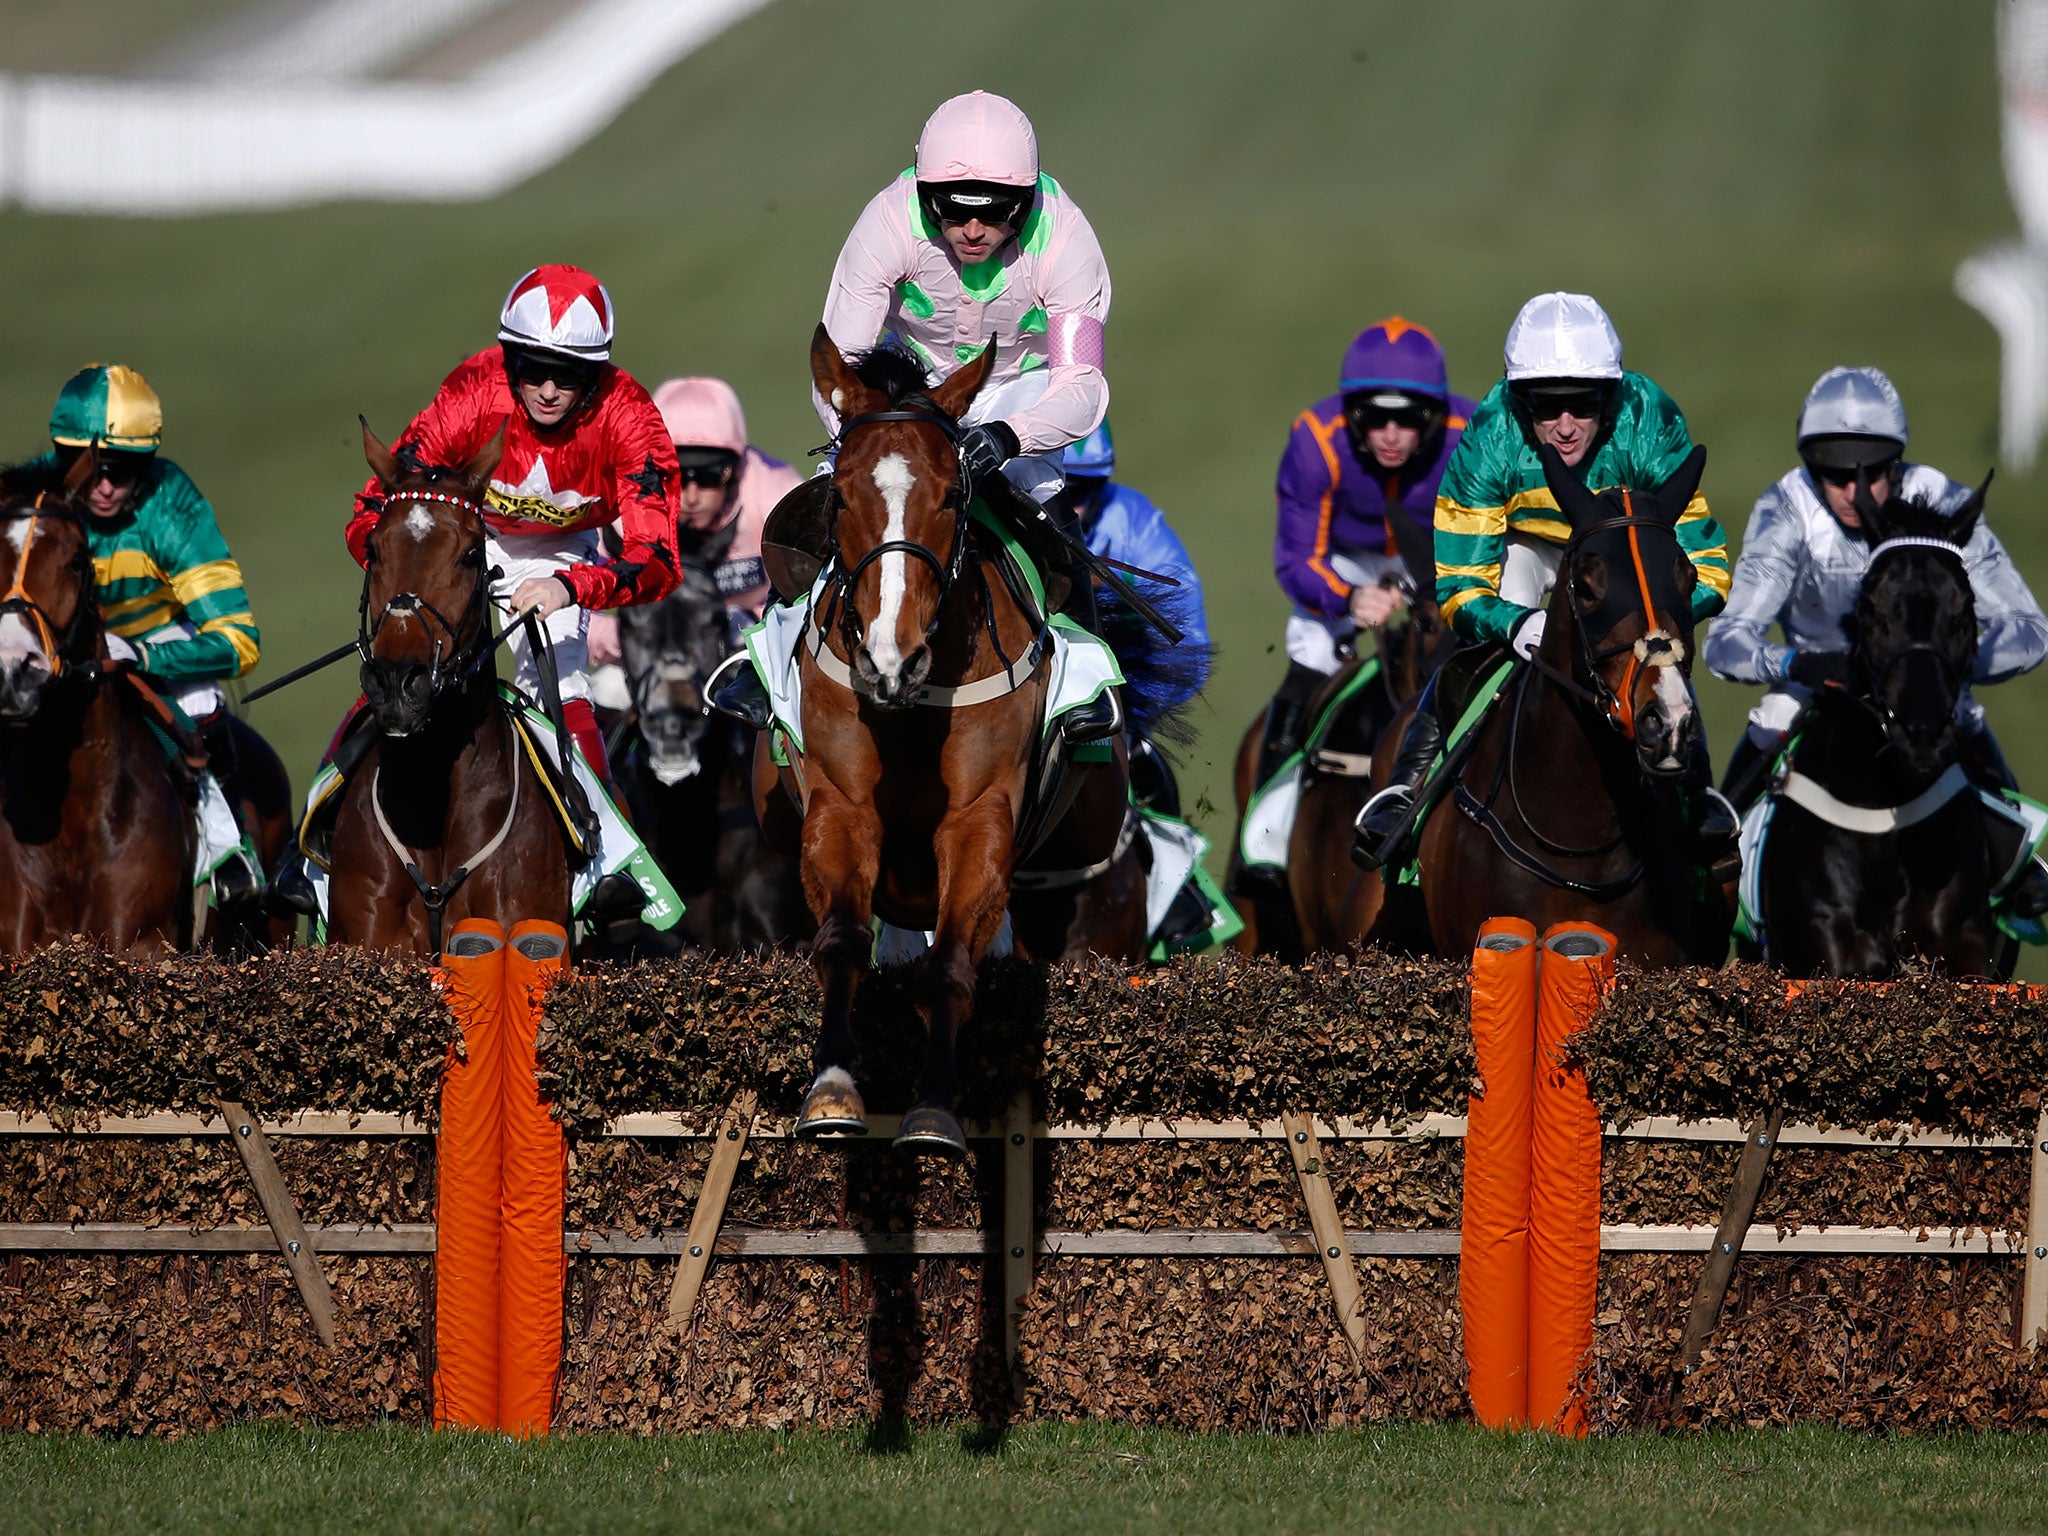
(1852, 419)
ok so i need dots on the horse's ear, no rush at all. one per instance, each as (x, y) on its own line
(1962, 522)
(1876, 526)
(382, 464)
(1580, 507)
(476, 475)
(958, 392)
(1676, 494)
(837, 385)
(79, 478)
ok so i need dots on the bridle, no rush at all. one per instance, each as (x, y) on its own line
(841, 579)
(1952, 679)
(62, 650)
(447, 666)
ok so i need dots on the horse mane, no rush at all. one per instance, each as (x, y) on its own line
(1906, 518)
(893, 370)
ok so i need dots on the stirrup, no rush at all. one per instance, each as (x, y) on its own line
(236, 881)
(735, 690)
(292, 894)
(1373, 844)
(615, 897)
(1097, 720)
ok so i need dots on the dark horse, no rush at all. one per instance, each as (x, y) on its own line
(1565, 808)
(446, 817)
(913, 796)
(96, 835)
(688, 776)
(1879, 847)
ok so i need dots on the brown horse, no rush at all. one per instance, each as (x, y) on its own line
(912, 813)
(447, 816)
(96, 836)
(1565, 807)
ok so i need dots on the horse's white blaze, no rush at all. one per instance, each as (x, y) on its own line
(1676, 699)
(419, 522)
(18, 531)
(894, 480)
(18, 638)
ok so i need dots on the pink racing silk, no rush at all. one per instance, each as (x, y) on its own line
(1042, 299)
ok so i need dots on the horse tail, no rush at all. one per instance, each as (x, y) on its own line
(1160, 680)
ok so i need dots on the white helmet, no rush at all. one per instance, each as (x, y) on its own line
(559, 309)
(1853, 418)
(1562, 336)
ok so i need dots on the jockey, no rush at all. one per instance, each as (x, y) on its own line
(1803, 559)
(1123, 525)
(1499, 540)
(1356, 490)
(585, 450)
(724, 482)
(170, 593)
(974, 247)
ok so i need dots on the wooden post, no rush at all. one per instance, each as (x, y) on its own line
(1750, 1169)
(2034, 1306)
(709, 1214)
(283, 1215)
(1019, 1240)
(1331, 1244)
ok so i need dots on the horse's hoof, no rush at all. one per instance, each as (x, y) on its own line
(833, 1107)
(929, 1128)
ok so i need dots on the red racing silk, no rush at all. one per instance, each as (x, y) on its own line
(610, 462)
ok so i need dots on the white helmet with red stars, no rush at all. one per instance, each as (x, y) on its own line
(559, 309)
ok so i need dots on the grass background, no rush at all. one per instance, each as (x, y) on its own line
(1755, 190)
(1091, 1480)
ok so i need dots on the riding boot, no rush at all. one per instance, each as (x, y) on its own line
(1749, 770)
(1381, 834)
(1153, 786)
(735, 690)
(1711, 821)
(1285, 717)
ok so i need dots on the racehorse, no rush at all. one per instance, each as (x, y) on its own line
(96, 835)
(1877, 848)
(1321, 909)
(688, 776)
(1564, 807)
(912, 800)
(447, 816)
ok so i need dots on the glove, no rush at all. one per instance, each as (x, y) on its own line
(1527, 634)
(1816, 669)
(121, 650)
(986, 449)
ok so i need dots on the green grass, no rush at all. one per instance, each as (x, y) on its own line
(1048, 1479)
(1756, 190)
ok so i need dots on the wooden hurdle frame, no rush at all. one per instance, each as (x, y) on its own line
(1018, 1242)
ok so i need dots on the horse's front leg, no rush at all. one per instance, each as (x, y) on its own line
(974, 848)
(841, 859)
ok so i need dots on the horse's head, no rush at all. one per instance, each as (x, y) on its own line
(1625, 588)
(425, 588)
(1914, 632)
(49, 613)
(899, 513)
(669, 650)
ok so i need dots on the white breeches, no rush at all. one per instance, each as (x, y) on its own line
(522, 557)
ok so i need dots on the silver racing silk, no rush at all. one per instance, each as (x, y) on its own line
(1801, 570)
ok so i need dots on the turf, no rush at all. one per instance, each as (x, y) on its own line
(1757, 191)
(1041, 1478)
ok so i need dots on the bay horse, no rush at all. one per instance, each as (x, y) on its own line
(446, 817)
(687, 775)
(1878, 847)
(911, 807)
(1566, 808)
(96, 835)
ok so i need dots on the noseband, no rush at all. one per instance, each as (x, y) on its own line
(842, 579)
(453, 666)
(60, 649)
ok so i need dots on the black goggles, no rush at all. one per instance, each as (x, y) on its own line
(711, 476)
(1547, 402)
(116, 466)
(1368, 413)
(1836, 474)
(538, 367)
(963, 202)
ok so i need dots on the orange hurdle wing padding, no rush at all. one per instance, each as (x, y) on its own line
(1564, 1190)
(1493, 1263)
(467, 1181)
(534, 1192)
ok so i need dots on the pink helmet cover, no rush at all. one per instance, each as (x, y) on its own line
(702, 413)
(978, 137)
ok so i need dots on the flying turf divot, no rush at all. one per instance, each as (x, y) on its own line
(1530, 1253)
